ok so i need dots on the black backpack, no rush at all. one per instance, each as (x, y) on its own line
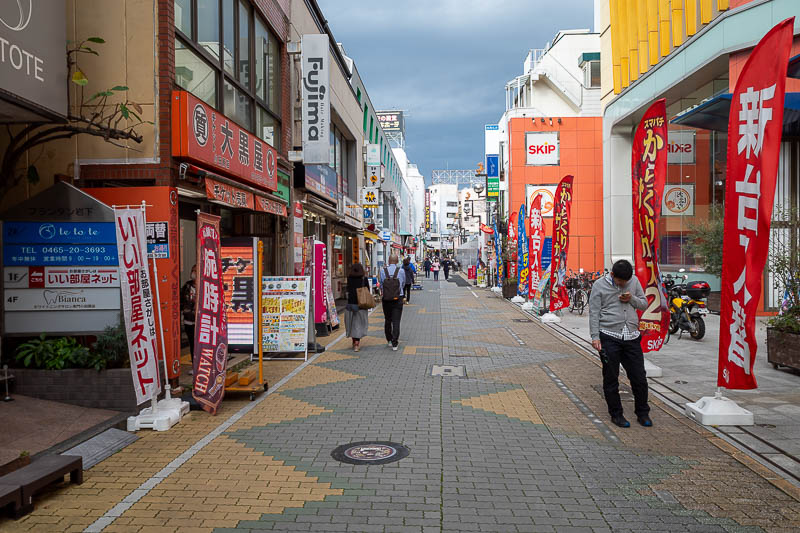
(391, 285)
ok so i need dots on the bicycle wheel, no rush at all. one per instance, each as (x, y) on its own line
(581, 299)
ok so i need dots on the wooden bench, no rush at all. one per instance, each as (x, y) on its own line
(41, 473)
(11, 497)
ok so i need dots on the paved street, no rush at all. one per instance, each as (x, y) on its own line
(522, 442)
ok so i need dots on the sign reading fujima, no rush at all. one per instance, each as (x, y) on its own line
(33, 61)
(541, 148)
(137, 302)
(316, 99)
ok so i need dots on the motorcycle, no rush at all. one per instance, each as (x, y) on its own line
(687, 306)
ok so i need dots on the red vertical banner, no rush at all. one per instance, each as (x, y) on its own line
(511, 242)
(755, 126)
(535, 242)
(211, 333)
(649, 172)
(559, 298)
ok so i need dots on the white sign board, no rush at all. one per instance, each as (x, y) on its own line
(369, 197)
(34, 277)
(285, 312)
(316, 99)
(541, 148)
(678, 200)
(373, 155)
(491, 139)
(681, 149)
(386, 235)
(548, 193)
(61, 299)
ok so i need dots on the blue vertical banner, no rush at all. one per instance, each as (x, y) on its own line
(522, 255)
(499, 273)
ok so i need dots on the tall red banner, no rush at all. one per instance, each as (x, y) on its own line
(535, 242)
(559, 298)
(211, 333)
(649, 172)
(755, 126)
(511, 241)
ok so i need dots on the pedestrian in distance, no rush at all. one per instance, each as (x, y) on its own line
(446, 266)
(188, 298)
(427, 266)
(435, 269)
(356, 320)
(614, 328)
(392, 280)
(408, 270)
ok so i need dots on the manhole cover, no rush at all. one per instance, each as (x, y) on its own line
(370, 453)
(767, 426)
(681, 382)
(459, 371)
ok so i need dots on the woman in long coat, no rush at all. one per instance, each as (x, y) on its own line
(356, 320)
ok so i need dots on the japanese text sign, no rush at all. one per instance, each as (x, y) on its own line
(535, 242)
(315, 65)
(228, 195)
(559, 298)
(238, 278)
(203, 135)
(755, 127)
(137, 302)
(211, 328)
(523, 285)
(649, 172)
(285, 313)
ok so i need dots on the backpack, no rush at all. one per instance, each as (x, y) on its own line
(391, 285)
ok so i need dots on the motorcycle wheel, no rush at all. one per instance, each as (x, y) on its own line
(699, 330)
(673, 326)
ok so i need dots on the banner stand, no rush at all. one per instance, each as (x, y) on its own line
(161, 415)
(718, 410)
(652, 370)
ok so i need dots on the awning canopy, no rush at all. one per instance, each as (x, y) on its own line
(713, 114)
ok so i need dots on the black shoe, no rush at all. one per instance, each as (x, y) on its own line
(645, 421)
(620, 421)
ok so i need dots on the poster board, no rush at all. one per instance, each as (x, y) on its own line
(239, 276)
(285, 306)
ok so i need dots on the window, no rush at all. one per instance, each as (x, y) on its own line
(226, 55)
(452, 204)
(451, 215)
(591, 74)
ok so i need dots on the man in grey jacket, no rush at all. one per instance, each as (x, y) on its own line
(614, 327)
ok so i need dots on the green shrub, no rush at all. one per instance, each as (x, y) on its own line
(112, 345)
(58, 353)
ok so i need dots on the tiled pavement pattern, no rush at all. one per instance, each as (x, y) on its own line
(503, 449)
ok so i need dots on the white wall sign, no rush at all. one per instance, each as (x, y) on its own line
(548, 193)
(316, 99)
(61, 299)
(38, 277)
(678, 200)
(491, 139)
(373, 155)
(369, 197)
(681, 149)
(541, 148)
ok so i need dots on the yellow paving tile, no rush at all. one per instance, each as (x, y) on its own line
(316, 375)
(512, 403)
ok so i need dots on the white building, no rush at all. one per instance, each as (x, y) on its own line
(413, 208)
(444, 215)
(472, 209)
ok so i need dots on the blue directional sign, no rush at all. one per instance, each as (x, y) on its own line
(59, 254)
(59, 233)
(492, 166)
(367, 213)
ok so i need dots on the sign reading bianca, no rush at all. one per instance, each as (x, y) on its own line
(541, 148)
(316, 99)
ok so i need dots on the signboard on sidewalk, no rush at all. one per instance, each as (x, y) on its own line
(239, 280)
(285, 311)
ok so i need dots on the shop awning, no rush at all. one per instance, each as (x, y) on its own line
(713, 114)
(794, 67)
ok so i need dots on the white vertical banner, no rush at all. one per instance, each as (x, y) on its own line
(137, 302)
(316, 99)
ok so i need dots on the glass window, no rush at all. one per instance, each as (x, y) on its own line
(183, 16)
(238, 106)
(338, 166)
(594, 67)
(229, 36)
(274, 75)
(262, 49)
(332, 153)
(244, 44)
(268, 128)
(193, 74)
(208, 26)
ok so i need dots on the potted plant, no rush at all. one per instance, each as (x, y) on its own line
(783, 330)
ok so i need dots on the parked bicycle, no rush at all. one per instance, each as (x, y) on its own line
(579, 287)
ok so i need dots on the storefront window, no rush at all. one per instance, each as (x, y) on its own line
(183, 16)
(267, 128)
(194, 74)
(229, 46)
(237, 106)
(208, 26)
(244, 44)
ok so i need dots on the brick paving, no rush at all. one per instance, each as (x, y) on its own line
(519, 444)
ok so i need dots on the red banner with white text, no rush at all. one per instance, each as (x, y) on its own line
(211, 330)
(649, 172)
(755, 126)
(535, 242)
(559, 298)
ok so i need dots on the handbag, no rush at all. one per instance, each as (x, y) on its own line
(365, 298)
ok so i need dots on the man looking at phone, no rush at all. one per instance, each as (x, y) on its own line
(614, 327)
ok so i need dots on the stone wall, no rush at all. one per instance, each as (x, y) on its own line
(106, 389)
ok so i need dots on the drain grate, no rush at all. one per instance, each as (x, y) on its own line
(458, 371)
(370, 453)
(521, 320)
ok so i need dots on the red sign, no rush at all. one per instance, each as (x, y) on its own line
(558, 268)
(755, 126)
(649, 171)
(541, 148)
(270, 206)
(535, 242)
(202, 134)
(228, 195)
(486, 229)
(211, 328)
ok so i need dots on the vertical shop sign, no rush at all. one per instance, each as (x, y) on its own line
(755, 127)
(523, 283)
(320, 279)
(559, 298)
(239, 275)
(649, 171)
(298, 239)
(427, 210)
(137, 302)
(316, 99)
(211, 333)
(511, 241)
(498, 255)
(535, 240)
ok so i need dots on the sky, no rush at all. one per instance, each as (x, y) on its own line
(446, 62)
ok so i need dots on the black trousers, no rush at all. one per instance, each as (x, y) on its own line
(446, 273)
(427, 272)
(435, 275)
(392, 313)
(407, 292)
(628, 354)
(190, 334)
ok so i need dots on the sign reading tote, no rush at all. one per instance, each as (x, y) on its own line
(137, 302)
(284, 305)
(202, 134)
(316, 99)
(541, 148)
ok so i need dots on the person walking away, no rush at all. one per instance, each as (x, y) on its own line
(356, 320)
(188, 298)
(614, 328)
(392, 280)
(408, 270)
(427, 266)
(446, 266)
(435, 269)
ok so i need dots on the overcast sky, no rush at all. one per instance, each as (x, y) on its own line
(446, 62)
